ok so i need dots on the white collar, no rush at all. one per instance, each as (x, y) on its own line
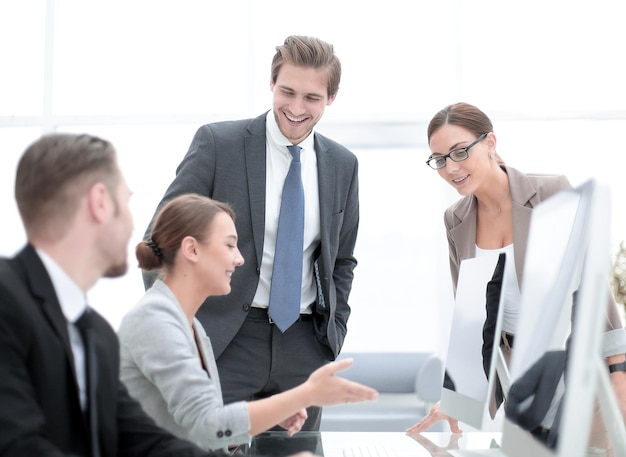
(276, 136)
(71, 298)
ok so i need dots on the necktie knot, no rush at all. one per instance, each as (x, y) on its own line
(295, 152)
(84, 321)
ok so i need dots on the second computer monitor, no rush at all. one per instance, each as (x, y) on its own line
(555, 363)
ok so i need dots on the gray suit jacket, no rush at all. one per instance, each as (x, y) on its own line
(226, 161)
(160, 365)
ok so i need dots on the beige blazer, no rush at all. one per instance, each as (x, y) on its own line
(527, 191)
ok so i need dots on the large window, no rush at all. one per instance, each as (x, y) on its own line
(146, 74)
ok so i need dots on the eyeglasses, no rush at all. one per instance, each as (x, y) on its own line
(458, 155)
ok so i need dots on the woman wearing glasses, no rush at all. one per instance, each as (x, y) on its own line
(493, 215)
(494, 212)
(167, 362)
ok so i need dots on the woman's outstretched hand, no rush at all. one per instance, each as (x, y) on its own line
(327, 389)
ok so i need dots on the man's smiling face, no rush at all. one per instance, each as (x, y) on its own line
(300, 97)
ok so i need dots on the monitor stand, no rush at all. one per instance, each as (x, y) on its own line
(493, 451)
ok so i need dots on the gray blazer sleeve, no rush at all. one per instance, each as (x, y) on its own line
(161, 368)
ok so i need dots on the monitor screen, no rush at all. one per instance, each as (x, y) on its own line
(553, 370)
(473, 377)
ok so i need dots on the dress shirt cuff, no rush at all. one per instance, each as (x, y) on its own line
(614, 342)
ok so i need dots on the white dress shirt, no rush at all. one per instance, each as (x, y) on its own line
(278, 159)
(73, 304)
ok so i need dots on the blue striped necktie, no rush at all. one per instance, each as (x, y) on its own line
(285, 290)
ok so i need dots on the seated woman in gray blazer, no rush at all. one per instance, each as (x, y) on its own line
(167, 362)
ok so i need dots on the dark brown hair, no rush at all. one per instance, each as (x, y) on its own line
(464, 115)
(304, 51)
(185, 215)
(54, 173)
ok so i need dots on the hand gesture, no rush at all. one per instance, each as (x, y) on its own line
(326, 389)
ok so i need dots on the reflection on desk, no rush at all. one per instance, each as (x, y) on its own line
(392, 444)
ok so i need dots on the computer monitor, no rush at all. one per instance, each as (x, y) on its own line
(468, 400)
(567, 251)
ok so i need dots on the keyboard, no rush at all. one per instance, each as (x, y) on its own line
(493, 452)
(370, 450)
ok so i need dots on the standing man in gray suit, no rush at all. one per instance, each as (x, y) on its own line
(245, 163)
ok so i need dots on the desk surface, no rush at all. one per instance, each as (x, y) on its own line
(394, 444)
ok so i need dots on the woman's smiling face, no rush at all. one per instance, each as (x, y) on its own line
(220, 255)
(468, 175)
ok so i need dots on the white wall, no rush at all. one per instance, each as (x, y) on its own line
(146, 73)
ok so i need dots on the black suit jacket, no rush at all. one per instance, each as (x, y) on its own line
(40, 412)
(539, 383)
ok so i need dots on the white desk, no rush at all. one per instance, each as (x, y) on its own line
(334, 444)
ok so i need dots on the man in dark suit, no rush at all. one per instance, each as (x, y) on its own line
(244, 163)
(60, 393)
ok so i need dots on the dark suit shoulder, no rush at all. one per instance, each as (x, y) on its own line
(222, 139)
(13, 268)
(323, 143)
(5, 267)
(105, 330)
(16, 305)
(13, 289)
(253, 126)
(233, 124)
